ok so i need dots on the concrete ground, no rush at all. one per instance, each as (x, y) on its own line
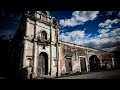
(113, 74)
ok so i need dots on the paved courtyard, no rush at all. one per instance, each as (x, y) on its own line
(113, 74)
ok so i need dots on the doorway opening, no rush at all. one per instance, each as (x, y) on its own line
(83, 64)
(42, 64)
(68, 64)
(94, 63)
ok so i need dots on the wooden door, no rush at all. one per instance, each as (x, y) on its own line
(42, 68)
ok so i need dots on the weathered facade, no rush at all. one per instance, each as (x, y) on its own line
(83, 58)
(39, 49)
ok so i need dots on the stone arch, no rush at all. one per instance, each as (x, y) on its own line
(42, 68)
(54, 20)
(48, 13)
(43, 36)
(94, 63)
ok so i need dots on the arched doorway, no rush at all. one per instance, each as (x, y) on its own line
(42, 68)
(94, 63)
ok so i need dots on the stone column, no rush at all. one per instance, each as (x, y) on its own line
(57, 49)
(87, 64)
(59, 72)
(80, 64)
(25, 43)
(50, 69)
(100, 59)
(87, 61)
(35, 51)
(35, 60)
(24, 54)
(113, 63)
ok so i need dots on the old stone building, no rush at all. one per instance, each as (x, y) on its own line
(36, 46)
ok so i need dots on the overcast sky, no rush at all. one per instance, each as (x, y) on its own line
(97, 29)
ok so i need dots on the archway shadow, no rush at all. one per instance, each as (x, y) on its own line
(94, 63)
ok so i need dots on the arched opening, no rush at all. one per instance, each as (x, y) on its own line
(32, 13)
(48, 13)
(94, 63)
(42, 64)
(43, 36)
(43, 13)
(54, 21)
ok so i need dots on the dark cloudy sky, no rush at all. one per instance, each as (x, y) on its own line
(97, 29)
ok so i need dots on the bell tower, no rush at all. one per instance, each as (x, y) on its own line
(41, 42)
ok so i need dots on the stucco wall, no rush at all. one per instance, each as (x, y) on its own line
(65, 49)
